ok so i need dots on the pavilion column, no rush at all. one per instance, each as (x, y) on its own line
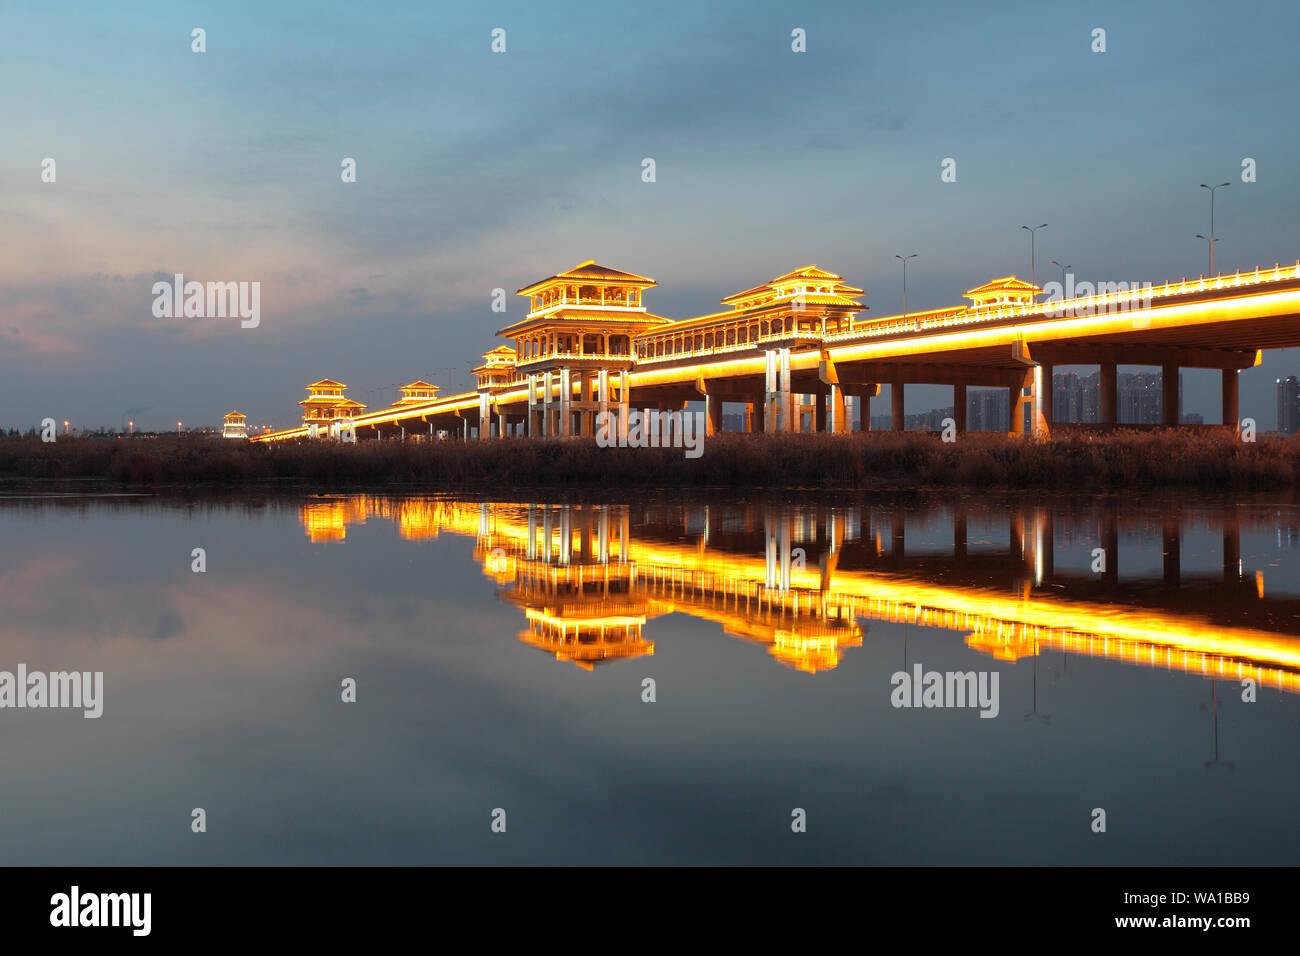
(566, 403)
(959, 408)
(1109, 393)
(789, 421)
(1169, 394)
(602, 393)
(1231, 415)
(896, 406)
(623, 407)
(543, 381)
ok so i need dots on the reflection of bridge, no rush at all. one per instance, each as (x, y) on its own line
(799, 581)
(796, 350)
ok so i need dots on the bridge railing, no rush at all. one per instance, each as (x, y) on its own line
(1097, 303)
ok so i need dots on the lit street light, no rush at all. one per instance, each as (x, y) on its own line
(1211, 240)
(1032, 231)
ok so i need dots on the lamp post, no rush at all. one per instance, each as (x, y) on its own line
(1211, 239)
(178, 429)
(1062, 268)
(1032, 231)
(1211, 243)
(904, 259)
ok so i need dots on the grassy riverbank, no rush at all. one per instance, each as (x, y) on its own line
(1209, 459)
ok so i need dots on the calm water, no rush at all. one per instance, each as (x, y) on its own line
(500, 651)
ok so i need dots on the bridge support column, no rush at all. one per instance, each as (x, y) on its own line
(713, 408)
(566, 403)
(959, 409)
(1231, 415)
(820, 403)
(623, 407)
(1016, 409)
(602, 395)
(484, 417)
(778, 400)
(838, 411)
(1046, 400)
(1169, 394)
(1038, 423)
(896, 406)
(1109, 380)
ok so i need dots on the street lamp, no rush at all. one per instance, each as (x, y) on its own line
(1062, 275)
(904, 259)
(1211, 243)
(1031, 231)
(1211, 239)
(178, 429)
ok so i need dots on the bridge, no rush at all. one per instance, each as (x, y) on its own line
(588, 580)
(799, 354)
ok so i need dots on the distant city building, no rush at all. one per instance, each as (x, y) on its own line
(1288, 405)
(235, 426)
(1077, 398)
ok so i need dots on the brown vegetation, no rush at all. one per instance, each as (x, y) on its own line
(1208, 459)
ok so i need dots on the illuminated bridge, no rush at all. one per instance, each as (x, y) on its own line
(800, 354)
(588, 580)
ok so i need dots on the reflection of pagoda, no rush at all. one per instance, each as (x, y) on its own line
(582, 613)
(327, 521)
(807, 644)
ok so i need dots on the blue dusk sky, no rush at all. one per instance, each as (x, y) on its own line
(478, 170)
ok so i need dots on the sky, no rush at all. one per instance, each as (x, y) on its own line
(478, 170)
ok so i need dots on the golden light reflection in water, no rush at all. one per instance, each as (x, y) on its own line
(588, 586)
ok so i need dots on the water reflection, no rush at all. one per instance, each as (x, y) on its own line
(800, 581)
